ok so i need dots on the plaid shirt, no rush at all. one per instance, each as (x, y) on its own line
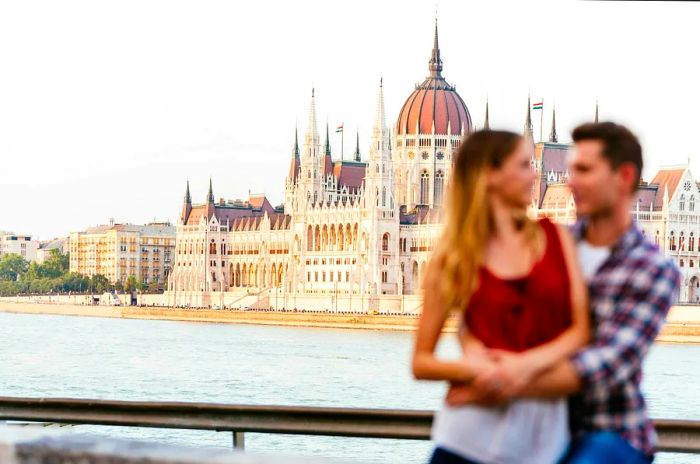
(630, 296)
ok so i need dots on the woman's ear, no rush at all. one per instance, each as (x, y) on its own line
(493, 178)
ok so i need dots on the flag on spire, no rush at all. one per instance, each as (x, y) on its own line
(538, 106)
(339, 128)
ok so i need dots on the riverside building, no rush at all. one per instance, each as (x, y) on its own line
(19, 244)
(355, 235)
(119, 251)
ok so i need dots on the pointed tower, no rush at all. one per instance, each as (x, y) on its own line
(379, 201)
(379, 180)
(187, 204)
(293, 177)
(595, 120)
(486, 117)
(210, 194)
(327, 145)
(435, 63)
(211, 209)
(327, 158)
(312, 161)
(527, 130)
(356, 156)
(553, 135)
(380, 132)
(294, 165)
(296, 142)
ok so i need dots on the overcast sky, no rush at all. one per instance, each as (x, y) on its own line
(107, 108)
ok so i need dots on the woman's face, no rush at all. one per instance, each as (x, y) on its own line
(513, 181)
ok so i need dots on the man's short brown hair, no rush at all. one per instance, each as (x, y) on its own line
(620, 145)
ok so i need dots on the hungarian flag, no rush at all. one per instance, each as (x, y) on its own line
(339, 128)
(537, 106)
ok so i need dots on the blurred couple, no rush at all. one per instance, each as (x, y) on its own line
(554, 322)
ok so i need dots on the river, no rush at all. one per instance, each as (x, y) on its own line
(84, 357)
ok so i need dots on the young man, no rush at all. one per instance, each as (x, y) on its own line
(632, 286)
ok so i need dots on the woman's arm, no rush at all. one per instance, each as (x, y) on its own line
(426, 365)
(578, 334)
(518, 369)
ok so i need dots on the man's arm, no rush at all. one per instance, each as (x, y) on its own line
(622, 338)
(560, 380)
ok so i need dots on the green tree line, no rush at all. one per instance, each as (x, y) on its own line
(17, 276)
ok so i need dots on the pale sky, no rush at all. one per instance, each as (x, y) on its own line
(108, 107)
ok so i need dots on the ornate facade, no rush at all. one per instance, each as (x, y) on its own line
(363, 227)
(354, 235)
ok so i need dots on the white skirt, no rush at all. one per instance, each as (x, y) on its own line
(528, 431)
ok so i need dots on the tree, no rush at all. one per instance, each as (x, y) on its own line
(99, 283)
(153, 287)
(131, 283)
(56, 265)
(12, 266)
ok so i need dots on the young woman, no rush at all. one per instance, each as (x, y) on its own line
(518, 289)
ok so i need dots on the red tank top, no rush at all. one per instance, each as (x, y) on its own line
(519, 314)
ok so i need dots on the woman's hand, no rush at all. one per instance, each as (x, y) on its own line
(509, 374)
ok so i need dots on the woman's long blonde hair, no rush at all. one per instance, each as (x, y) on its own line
(468, 224)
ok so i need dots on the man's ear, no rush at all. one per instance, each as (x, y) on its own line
(629, 175)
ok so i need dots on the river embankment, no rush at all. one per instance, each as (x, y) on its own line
(683, 324)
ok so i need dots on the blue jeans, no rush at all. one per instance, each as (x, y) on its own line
(442, 456)
(604, 448)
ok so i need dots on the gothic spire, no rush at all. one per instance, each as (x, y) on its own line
(380, 119)
(188, 197)
(295, 152)
(380, 133)
(435, 63)
(527, 131)
(553, 135)
(328, 142)
(357, 156)
(311, 137)
(210, 195)
(596, 111)
(486, 118)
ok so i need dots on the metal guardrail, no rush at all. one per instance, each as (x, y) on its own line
(674, 435)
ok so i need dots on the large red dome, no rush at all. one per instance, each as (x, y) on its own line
(434, 103)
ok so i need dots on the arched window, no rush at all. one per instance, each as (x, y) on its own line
(672, 242)
(691, 243)
(383, 196)
(682, 263)
(681, 203)
(439, 186)
(681, 242)
(385, 242)
(424, 187)
(691, 203)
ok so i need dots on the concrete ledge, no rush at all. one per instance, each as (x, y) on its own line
(30, 445)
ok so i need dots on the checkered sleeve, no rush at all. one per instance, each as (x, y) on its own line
(623, 338)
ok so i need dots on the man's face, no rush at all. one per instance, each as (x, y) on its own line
(596, 186)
